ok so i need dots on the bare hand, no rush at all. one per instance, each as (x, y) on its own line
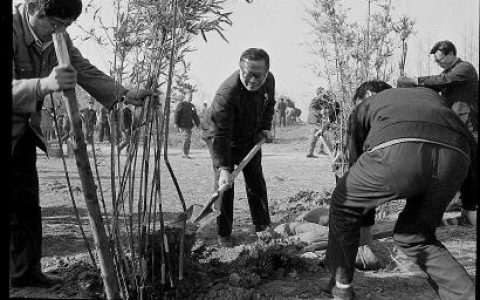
(61, 78)
(225, 178)
(268, 135)
(136, 97)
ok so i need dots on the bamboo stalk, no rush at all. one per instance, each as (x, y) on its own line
(165, 148)
(74, 205)
(88, 184)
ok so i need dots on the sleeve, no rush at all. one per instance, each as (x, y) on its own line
(357, 131)
(222, 125)
(99, 85)
(458, 74)
(26, 96)
(178, 114)
(270, 106)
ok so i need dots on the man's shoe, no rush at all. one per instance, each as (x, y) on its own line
(186, 156)
(343, 294)
(322, 153)
(311, 156)
(40, 280)
(366, 260)
(226, 242)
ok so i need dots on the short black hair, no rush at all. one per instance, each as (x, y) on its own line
(256, 54)
(445, 47)
(63, 9)
(374, 86)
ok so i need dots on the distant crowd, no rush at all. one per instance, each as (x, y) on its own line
(95, 124)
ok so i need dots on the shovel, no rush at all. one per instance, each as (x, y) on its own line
(208, 207)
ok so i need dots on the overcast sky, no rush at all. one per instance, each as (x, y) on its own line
(279, 27)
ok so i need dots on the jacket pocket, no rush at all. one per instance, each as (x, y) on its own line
(24, 70)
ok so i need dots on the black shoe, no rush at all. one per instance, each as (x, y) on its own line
(226, 242)
(343, 294)
(311, 156)
(40, 280)
(186, 156)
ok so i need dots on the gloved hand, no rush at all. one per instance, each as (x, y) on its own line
(268, 135)
(136, 97)
(404, 81)
(225, 178)
(61, 78)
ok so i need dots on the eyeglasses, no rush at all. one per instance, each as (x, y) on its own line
(439, 60)
(247, 75)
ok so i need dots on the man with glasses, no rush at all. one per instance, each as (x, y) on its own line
(240, 115)
(458, 84)
(35, 75)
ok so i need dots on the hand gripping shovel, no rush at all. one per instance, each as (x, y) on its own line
(208, 207)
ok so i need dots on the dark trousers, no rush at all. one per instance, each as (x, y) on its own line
(256, 191)
(428, 176)
(368, 218)
(104, 131)
(282, 119)
(26, 222)
(187, 134)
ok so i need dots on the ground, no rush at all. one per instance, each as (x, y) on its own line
(249, 270)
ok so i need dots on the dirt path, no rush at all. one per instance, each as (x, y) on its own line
(287, 172)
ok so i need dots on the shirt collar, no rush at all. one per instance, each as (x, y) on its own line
(453, 65)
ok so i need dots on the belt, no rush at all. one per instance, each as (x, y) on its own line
(415, 140)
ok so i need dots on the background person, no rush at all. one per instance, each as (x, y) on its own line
(185, 117)
(458, 84)
(103, 124)
(89, 118)
(317, 123)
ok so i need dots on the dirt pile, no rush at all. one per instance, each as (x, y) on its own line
(302, 201)
(227, 273)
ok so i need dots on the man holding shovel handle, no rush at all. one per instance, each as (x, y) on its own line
(239, 117)
(36, 74)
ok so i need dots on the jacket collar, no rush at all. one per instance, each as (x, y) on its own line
(453, 65)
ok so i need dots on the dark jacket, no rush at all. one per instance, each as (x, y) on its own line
(314, 110)
(282, 107)
(126, 120)
(404, 113)
(237, 116)
(89, 117)
(459, 83)
(186, 115)
(30, 64)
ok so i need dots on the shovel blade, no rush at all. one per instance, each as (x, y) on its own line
(184, 216)
(205, 212)
(207, 209)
